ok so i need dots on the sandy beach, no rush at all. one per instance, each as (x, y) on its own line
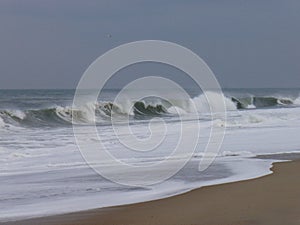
(270, 200)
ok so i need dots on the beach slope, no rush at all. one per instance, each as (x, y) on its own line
(269, 200)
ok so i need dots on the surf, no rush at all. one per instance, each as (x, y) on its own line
(101, 112)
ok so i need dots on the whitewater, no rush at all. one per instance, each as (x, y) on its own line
(42, 171)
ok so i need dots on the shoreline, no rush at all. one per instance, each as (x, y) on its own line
(271, 199)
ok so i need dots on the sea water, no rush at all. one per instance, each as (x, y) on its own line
(42, 171)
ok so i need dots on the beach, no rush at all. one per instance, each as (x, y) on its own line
(149, 112)
(272, 199)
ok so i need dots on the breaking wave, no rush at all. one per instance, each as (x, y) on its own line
(101, 112)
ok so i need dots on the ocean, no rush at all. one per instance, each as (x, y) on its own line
(42, 171)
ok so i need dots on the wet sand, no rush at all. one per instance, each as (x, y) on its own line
(269, 200)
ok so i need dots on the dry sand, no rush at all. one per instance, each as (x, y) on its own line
(269, 200)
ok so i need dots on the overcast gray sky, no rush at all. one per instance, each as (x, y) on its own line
(247, 43)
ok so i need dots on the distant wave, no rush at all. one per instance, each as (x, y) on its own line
(261, 102)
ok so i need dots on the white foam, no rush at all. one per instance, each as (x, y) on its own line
(18, 113)
(2, 124)
(203, 106)
(52, 162)
(176, 110)
(85, 114)
(297, 101)
(251, 106)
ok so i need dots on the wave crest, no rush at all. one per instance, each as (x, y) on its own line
(101, 112)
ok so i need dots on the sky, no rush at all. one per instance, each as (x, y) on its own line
(246, 43)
